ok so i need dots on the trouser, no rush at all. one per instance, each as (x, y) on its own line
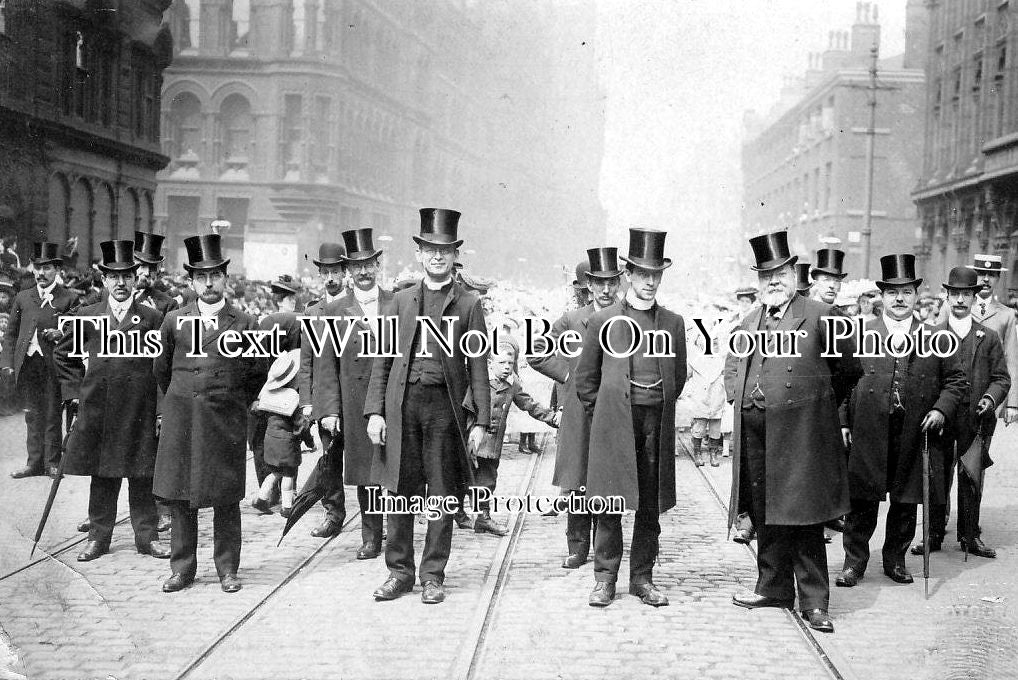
(429, 465)
(969, 495)
(184, 539)
(860, 524)
(102, 509)
(790, 559)
(371, 523)
(334, 500)
(581, 529)
(486, 475)
(40, 395)
(646, 525)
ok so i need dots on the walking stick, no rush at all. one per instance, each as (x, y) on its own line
(71, 415)
(926, 514)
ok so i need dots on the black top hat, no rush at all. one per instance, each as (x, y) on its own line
(285, 285)
(581, 275)
(802, 281)
(646, 249)
(148, 247)
(46, 252)
(962, 278)
(330, 253)
(746, 291)
(439, 227)
(898, 270)
(118, 256)
(988, 263)
(359, 246)
(604, 263)
(829, 261)
(204, 252)
(771, 251)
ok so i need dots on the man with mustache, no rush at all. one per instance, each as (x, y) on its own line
(902, 401)
(827, 275)
(789, 468)
(148, 254)
(1000, 318)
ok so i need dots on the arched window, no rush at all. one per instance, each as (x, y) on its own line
(190, 24)
(237, 125)
(82, 206)
(185, 126)
(240, 24)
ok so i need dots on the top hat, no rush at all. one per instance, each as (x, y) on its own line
(898, 270)
(45, 252)
(746, 291)
(359, 246)
(771, 251)
(148, 247)
(118, 256)
(204, 252)
(988, 263)
(581, 274)
(330, 253)
(646, 249)
(962, 278)
(802, 282)
(285, 285)
(439, 227)
(604, 263)
(829, 261)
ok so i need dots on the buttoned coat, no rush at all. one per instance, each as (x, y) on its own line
(308, 360)
(929, 383)
(114, 434)
(602, 386)
(805, 459)
(202, 450)
(387, 385)
(1001, 319)
(341, 385)
(27, 317)
(574, 431)
(505, 393)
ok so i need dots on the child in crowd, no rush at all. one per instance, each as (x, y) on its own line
(278, 401)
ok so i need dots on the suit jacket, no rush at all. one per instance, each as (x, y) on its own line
(805, 461)
(387, 385)
(505, 393)
(308, 361)
(1001, 319)
(574, 431)
(156, 299)
(602, 386)
(27, 317)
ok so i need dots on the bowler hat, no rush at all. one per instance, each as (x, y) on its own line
(898, 270)
(204, 252)
(329, 254)
(962, 278)
(829, 261)
(604, 263)
(148, 247)
(118, 256)
(802, 281)
(358, 245)
(646, 249)
(771, 251)
(581, 274)
(45, 252)
(439, 227)
(285, 285)
(988, 263)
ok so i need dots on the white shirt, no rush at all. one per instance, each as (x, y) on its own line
(961, 327)
(46, 294)
(637, 303)
(119, 309)
(367, 299)
(436, 285)
(205, 309)
(898, 329)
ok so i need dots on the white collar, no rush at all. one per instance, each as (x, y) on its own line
(782, 308)
(205, 309)
(437, 285)
(904, 326)
(48, 291)
(119, 308)
(365, 296)
(961, 327)
(637, 303)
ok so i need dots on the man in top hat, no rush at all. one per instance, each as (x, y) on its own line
(201, 457)
(803, 283)
(603, 279)
(981, 356)
(789, 467)
(415, 407)
(332, 270)
(148, 254)
(581, 292)
(114, 436)
(1001, 318)
(631, 402)
(902, 401)
(341, 381)
(828, 275)
(27, 355)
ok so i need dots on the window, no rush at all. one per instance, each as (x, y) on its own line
(828, 171)
(1001, 62)
(293, 130)
(956, 89)
(144, 98)
(79, 78)
(320, 142)
(237, 126)
(189, 24)
(977, 75)
(239, 25)
(297, 28)
(3, 16)
(185, 126)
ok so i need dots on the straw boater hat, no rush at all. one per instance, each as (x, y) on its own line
(987, 263)
(117, 256)
(898, 270)
(276, 397)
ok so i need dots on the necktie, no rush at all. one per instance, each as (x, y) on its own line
(47, 299)
(771, 322)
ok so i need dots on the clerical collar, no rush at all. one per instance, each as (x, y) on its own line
(365, 296)
(205, 309)
(638, 304)
(438, 285)
(961, 327)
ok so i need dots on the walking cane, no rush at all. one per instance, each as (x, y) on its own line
(926, 514)
(71, 416)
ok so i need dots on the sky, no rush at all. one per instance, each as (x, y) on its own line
(679, 76)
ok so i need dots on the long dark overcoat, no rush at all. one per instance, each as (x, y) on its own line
(202, 447)
(574, 430)
(387, 385)
(929, 383)
(805, 461)
(602, 385)
(26, 318)
(157, 300)
(114, 435)
(341, 386)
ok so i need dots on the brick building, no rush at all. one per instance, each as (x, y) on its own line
(297, 119)
(804, 164)
(968, 192)
(79, 124)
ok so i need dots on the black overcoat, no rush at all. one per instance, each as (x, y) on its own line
(27, 317)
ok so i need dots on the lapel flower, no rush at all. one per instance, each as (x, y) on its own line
(980, 334)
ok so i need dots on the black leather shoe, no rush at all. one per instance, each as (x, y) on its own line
(27, 472)
(156, 550)
(434, 592)
(369, 551)
(935, 546)
(754, 601)
(327, 529)
(848, 578)
(574, 561)
(978, 548)
(393, 588)
(261, 505)
(899, 574)
(229, 583)
(744, 536)
(176, 582)
(164, 524)
(649, 594)
(485, 525)
(85, 526)
(602, 595)
(93, 549)
(818, 620)
(463, 520)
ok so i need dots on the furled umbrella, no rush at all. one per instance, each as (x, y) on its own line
(974, 461)
(926, 514)
(320, 483)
